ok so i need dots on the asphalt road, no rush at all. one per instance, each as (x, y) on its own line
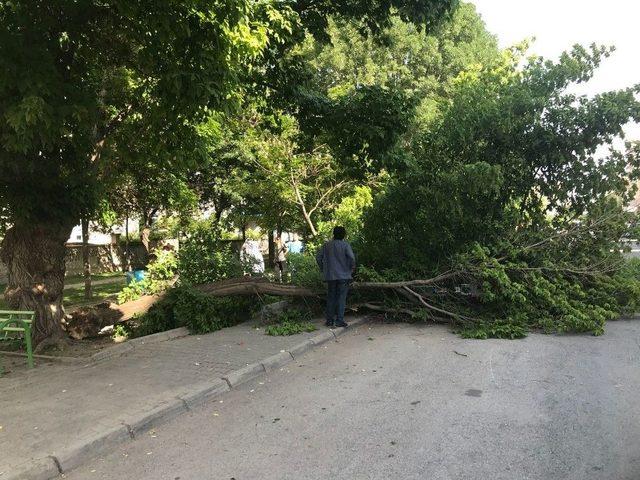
(413, 402)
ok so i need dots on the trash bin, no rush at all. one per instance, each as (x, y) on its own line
(137, 275)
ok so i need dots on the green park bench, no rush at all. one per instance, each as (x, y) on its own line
(15, 324)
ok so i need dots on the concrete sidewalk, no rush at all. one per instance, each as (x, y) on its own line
(56, 417)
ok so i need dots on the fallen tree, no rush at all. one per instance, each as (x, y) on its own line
(558, 279)
(554, 279)
(262, 286)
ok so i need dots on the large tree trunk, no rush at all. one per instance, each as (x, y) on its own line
(86, 260)
(35, 258)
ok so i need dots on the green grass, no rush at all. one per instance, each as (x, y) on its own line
(74, 297)
(71, 279)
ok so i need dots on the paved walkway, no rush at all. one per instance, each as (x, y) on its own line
(396, 402)
(45, 410)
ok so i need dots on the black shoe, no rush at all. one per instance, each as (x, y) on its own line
(328, 324)
(342, 324)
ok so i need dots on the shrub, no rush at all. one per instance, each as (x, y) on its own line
(164, 266)
(290, 322)
(186, 307)
(204, 258)
(132, 291)
(304, 270)
(159, 273)
(202, 314)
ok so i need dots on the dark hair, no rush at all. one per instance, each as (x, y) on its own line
(339, 233)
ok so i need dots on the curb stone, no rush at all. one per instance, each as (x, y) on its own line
(41, 469)
(245, 374)
(51, 467)
(323, 338)
(358, 321)
(276, 361)
(90, 447)
(204, 392)
(300, 349)
(145, 421)
(160, 336)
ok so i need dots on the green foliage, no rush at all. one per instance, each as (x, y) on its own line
(504, 187)
(164, 265)
(291, 322)
(625, 286)
(158, 276)
(200, 313)
(542, 292)
(363, 127)
(304, 270)
(121, 332)
(403, 55)
(293, 315)
(373, 15)
(203, 314)
(96, 72)
(204, 258)
(505, 329)
(289, 328)
(500, 157)
(349, 213)
(133, 291)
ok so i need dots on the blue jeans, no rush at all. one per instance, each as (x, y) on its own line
(336, 300)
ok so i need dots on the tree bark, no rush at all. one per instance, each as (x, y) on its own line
(145, 233)
(125, 262)
(272, 249)
(86, 261)
(34, 254)
(253, 286)
(303, 207)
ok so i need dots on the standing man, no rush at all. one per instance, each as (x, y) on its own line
(337, 262)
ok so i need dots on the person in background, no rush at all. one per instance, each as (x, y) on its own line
(337, 262)
(251, 256)
(281, 257)
(295, 245)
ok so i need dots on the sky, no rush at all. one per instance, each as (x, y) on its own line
(559, 24)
